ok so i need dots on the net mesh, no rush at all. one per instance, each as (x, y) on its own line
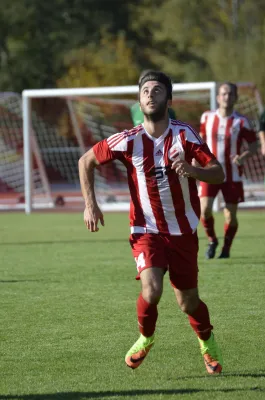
(11, 154)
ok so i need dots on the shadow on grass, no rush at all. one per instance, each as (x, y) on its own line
(23, 280)
(244, 375)
(122, 393)
(33, 243)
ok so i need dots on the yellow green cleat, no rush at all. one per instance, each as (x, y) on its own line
(212, 355)
(137, 353)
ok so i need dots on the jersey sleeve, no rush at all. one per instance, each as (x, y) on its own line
(248, 134)
(111, 148)
(203, 126)
(198, 149)
(202, 154)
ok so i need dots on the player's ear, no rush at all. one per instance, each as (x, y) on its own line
(169, 103)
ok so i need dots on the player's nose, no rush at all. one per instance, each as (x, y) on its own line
(152, 92)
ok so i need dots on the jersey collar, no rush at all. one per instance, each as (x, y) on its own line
(160, 138)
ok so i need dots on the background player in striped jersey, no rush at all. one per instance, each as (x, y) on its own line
(262, 132)
(164, 212)
(224, 130)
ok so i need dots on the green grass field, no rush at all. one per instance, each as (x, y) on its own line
(68, 315)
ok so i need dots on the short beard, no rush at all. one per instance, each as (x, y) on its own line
(157, 115)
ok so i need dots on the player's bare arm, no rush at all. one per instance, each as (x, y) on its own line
(239, 159)
(211, 173)
(92, 213)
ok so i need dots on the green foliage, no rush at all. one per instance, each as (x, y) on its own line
(108, 63)
(36, 36)
(108, 42)
(204, 40)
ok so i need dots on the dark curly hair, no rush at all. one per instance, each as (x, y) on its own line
(150, 75)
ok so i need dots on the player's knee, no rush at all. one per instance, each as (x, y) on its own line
(233, 220)
(230, 219)
(206, 207)
(206, 212)
(188, 306)
(152, 294)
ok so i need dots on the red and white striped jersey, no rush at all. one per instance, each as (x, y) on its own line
(161, 202)
(224, 136)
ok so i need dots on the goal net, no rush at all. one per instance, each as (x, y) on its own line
(40, 169)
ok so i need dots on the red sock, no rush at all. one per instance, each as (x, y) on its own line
(200, 321)
(147, 316)
(208, 225)
(230, 232)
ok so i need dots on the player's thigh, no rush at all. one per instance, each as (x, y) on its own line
(183, 261)
(233, 192)
(208, 190)
(148, 251)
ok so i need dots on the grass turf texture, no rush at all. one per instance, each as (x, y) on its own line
(68, 315)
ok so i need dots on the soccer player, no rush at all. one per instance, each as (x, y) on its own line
(164, 212)
(224, 130)
(262, 132)
(136, 112)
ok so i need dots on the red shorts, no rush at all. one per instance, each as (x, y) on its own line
(233, 192)
(177, 254)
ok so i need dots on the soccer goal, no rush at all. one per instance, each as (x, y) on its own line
(43, 135)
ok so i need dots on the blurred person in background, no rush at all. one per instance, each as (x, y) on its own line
(164, 212)
(262, 132)
(224, 130)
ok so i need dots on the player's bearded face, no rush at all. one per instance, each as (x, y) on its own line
(226, 97)
(154, 101)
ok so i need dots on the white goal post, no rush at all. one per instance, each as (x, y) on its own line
(43, 133)
(27, 95)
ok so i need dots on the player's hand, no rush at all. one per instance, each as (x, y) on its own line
(182, 168)
(92, 216)
(237, 160)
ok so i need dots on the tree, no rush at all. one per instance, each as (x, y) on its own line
(35, 36)
(194, 41)
(109, 63)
